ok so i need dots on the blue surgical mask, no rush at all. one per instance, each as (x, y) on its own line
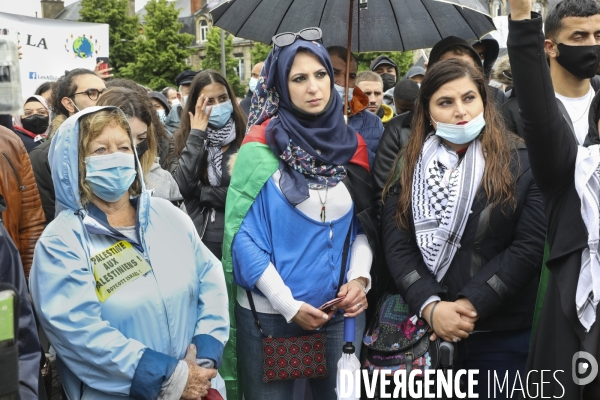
(252, 84)
(110, 176)
(162, 115)
(461, 134)
(184, 101)
(220, 114)
(342, 91)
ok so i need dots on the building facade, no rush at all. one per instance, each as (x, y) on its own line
(202, 22)
(502, 7)
(193, 14)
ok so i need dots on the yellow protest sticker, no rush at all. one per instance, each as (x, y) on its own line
(115, 267)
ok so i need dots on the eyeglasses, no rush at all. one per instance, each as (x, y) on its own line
(287, 38)
(93, 94)
(40, 111)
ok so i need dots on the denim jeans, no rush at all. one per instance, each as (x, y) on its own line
(498, 352)
(249, 352)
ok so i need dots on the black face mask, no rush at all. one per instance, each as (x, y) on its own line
(36, 123)
(389, 81)
(581, 61)
(141, 148)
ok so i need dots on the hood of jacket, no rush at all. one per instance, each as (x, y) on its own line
(64, 165)
(388, 113)
(490, 54)
(359, 101)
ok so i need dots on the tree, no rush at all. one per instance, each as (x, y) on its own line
(404, 60)
(122, 30)
(161, 52)
(213, 59)
(259, 52)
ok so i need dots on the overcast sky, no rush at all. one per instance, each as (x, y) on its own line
(30, 7)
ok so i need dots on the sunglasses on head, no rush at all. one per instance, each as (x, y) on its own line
(287, 38)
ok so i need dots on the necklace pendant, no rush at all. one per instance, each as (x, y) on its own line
(323, 214)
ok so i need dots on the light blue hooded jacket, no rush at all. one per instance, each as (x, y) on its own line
(129, 344)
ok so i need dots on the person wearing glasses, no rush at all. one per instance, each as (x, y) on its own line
(299, 199)
(76, 90)
(33, 126)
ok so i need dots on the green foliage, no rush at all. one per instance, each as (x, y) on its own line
(123, 29)
(404, 59)
(161, 52)
(212, 59)
(259, 52)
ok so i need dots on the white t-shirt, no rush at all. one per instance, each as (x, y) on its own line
(578, 109)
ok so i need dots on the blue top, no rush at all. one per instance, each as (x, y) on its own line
(370, 127)
(306, 253)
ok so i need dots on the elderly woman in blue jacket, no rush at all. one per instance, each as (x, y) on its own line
(132, 301)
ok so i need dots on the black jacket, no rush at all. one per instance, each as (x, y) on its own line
(552, 151)
(497, 265)
(27, 140)
(11, 272)
(43, 178)
(394, 139)
(246, 102)
(200, 197)
(512, 118)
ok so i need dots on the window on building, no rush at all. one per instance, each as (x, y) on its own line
(496, 8)
(203, 31)
(241, 70)
(538, 7)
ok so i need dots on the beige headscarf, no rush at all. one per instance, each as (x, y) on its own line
(39, 99)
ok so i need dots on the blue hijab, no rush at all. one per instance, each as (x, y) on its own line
(324, 137)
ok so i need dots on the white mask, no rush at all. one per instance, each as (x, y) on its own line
(252, 84)
(460, 134)
(342, 90)
(162, 115)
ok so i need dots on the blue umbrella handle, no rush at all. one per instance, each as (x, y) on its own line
(349, 329)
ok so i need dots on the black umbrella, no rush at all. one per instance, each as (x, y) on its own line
(382, 25)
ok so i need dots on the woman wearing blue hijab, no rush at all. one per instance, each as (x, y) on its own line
(299, 228)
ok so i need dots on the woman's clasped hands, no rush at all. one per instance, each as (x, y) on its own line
(451, 321)
(199, 378)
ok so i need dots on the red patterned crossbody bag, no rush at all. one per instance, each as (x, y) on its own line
(298, 356)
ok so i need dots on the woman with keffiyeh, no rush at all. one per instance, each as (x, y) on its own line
(299, 190)
(211, 132)
(463, 227)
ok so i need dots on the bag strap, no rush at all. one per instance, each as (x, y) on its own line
(340, 282)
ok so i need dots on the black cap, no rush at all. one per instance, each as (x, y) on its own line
(383, 60)
(415, 71)
(185, 78)
(448, 43)
(158, 96)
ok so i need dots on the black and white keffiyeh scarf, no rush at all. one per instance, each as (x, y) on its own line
(587, 184)
(216, 139)
(444, 188)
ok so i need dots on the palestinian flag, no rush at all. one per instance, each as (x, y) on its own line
(254, 165)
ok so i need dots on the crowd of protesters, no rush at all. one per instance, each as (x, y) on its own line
(154, 239)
